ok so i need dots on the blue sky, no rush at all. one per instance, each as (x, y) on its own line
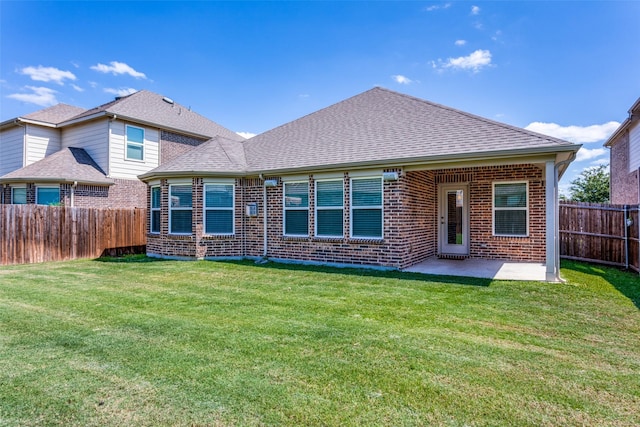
(570, 69)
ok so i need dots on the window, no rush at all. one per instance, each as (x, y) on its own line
(329, 208)
(366, 208)
(510, 209)
(155, 209)
(218, 208)
(180, 206)
(18, 196)
(296, 208)
(135, 143)
(47, 195)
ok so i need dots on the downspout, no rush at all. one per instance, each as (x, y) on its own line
(557, 212)
(264, 201)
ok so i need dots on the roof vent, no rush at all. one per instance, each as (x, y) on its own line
(168, 100)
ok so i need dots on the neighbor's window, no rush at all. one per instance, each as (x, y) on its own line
(180, 206)
(218, 208)
(18, 196)
(155, 209)
(366, 208)
(135, 143)
(47, 195)
(329, 208)
(296, 208)
(510, 209)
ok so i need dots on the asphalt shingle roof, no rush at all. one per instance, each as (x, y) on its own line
(378, 127)
(67, 165)
(152, 108)
(55, 114)
(381, 125)
(216, 155)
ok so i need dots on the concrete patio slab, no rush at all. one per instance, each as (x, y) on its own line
(483, 268)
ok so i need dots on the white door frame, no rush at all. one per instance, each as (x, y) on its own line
(444, 245)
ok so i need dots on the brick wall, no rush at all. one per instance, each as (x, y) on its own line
(624, 186)
(410, 222)
(173, 145)
(483, 244)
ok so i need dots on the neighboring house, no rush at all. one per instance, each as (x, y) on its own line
(625, 160)
(380, 179)
(91, 158)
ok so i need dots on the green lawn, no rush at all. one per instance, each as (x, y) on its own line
(95, 343)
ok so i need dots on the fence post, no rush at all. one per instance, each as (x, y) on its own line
(626, 237)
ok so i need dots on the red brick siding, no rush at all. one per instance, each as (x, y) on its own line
(624, 186)
(410, 222)
(173, 145)
(483, 244)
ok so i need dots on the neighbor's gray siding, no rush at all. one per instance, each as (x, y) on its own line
(11, 149)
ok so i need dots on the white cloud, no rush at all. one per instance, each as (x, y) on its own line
(77, 88)
(475, 10)
(303, 95)
(246, 135)
(473, 62)
(460, 42)
(121, 92)
(47, 74)
(602, 161)
(437, 7)
(42, 96)
(117, 68)
(579, 134)
(403, 80)
(588, 154)
(93, 84)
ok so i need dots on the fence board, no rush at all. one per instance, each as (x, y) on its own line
(599, 233)
(35, 233)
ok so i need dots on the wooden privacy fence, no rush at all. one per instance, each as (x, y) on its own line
(602, 233)
(36, 233)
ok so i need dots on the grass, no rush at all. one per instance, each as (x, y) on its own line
(148, 343)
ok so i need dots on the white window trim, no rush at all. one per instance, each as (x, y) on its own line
(57, 187)
(317, 208)
(494, 208)
(351, 207)
(21, 187)
(171, 209)
(286, 208)
(232, 208)
(127, 142)
(152, 209)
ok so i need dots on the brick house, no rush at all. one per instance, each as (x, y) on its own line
(624, 163)
(380, 179)
(91, 158)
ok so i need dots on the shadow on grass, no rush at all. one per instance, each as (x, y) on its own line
(360, 272)
(139, 258)
(367, 272)
(626, 282)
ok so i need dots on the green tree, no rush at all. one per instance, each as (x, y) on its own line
(592, 185)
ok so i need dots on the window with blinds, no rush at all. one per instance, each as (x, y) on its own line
(296, 208)
(218, 209)
(329, 208)
(366, 208)
(510, 209)
(135, 143)
(180, 209)
(155, 209)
